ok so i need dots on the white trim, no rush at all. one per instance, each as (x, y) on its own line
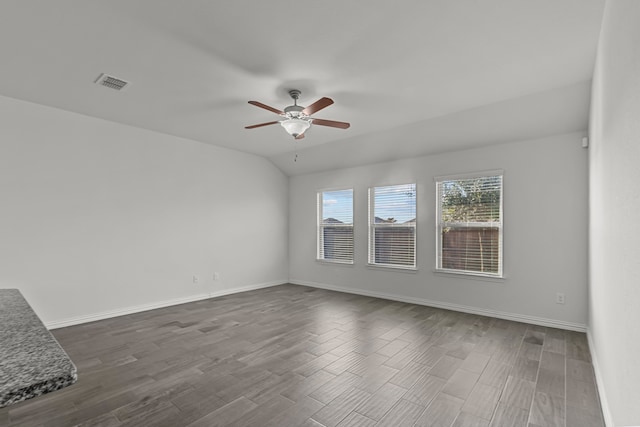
(604, 403)
(334, 262)
(55, 324)
(393, 267)
(475, 274)
(541, 321)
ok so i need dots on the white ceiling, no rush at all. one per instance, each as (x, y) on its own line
(411, 76)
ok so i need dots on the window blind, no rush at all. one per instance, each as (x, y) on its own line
(469, 219)
(335, 226)
(392, 226)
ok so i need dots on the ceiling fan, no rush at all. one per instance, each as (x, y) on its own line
(297, 119)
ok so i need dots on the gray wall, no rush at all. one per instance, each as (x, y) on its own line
(614, 254)
(98, 218)
(545, 232)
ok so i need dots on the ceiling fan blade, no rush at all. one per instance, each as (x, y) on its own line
(317, 106)
(266, 107)
(261, 124)
(331, 123)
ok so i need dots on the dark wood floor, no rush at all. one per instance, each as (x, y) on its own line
(296, 356)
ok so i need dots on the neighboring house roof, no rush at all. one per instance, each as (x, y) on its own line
(377, 220)
(331, 221)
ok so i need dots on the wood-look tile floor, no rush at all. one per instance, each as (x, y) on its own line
(296, 356)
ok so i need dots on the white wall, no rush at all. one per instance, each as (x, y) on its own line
(545, 232)
(98, 217)
(614, 230)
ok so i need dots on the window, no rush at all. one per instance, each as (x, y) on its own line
(335, 226)
(392, 226)
(469, 221)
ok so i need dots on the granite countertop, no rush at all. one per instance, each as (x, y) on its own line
(31, 360)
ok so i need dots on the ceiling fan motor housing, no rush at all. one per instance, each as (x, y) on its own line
(294, 111)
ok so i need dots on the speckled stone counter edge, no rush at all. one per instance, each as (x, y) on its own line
(32, 362)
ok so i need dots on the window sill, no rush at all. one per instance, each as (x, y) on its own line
(470, 276)
(331, 262)
(394, 268)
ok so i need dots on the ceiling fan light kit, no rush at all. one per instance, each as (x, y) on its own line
(296, 127)
(297, 119)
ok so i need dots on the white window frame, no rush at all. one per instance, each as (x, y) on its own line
(373, 226)
(320, 255)
(440, 225)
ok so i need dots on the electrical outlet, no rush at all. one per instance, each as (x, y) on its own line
(196, 279)
(559, 298)
(216, 276)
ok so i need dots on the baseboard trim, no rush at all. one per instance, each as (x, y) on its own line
(604, 403)
(154, 305)
(552, 323)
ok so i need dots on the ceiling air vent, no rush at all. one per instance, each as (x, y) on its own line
(112, 82)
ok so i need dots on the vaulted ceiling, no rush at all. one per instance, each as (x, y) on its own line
(411, 76)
